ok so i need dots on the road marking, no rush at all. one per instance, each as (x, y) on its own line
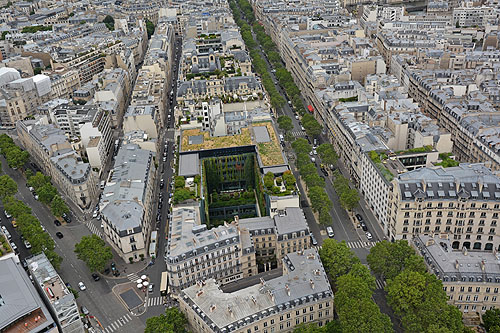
(360, 245)
(298, 133)
(380, 283)
(133, 277)
(155, 301)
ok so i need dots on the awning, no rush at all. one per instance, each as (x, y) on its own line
(310, 108)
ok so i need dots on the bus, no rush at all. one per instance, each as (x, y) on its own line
(163, 284)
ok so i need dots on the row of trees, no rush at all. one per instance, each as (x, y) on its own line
(353, 285)
(15, 156)
(94, 252)
(47, 193)
(28, 225)
(415, 295)
(173, 321)
(320, 201)
(348, 197)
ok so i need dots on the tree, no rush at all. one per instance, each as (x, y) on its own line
(58, 206)
(179, 182)
(420, 301)
(94, 252)
(389, 259)
(38, 180)
(301, 146)
(313, 128)
(337, 258)
(16, 158)
(319, 199)
(109, 21)
(182, 194)
(360, 270)
(15, 207)
(173, 321)
(150, 28)
(491, 320)
(285, 123)
(8, 187)
(327, 153)
(325, 218)
(46, 193)
(349, 199)
(363, 316)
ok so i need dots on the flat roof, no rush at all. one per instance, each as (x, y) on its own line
(189, 165)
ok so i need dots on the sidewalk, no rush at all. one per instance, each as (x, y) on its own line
(125, 268)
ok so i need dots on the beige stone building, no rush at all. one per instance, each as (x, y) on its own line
(225, 253)
(302, 295)
(471, 279)
(460, 203)
(52, 151)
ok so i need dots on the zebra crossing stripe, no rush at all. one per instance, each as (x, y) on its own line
(127, 316)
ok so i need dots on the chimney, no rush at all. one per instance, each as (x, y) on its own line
(254, 300)
(212, 307)
(236, 219)
(262, 282)
(310, 256)
(230, 311)
(287, 289)
(199, 293)
(270, 292)
(483, 265)
(311, 282)
(456, 264)
(464, 251)
(317, 272)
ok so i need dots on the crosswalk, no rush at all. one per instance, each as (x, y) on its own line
(133, 277)
(115, 326)
(93, 229)
(155, 301)
(380, 283)
(360, 245)
(298, 133)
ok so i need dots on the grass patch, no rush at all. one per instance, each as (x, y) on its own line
(212, 142)
(270, 152)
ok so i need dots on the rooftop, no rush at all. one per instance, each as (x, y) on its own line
(214, 142)
(303, 282)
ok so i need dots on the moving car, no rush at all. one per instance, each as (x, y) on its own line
(57, 223)
(81, 286)
(363, 226)
(66, 218)
(329, 231)
(369, 235)
(96, 276)
(150, 287)
(84, 310)
(59, 235)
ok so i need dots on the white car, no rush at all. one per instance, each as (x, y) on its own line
(302, 128)
(7, 215)
(315, 152)
(81, 286)
(297, 116)
(27, 244)
(313, 160)
(95, 214)
(369, 236)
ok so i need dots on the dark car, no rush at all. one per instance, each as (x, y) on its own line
(57, 223)
(59, 235)
(96, 276)
(313, 240)
(363, 226)
(66, 218)
(359, 217)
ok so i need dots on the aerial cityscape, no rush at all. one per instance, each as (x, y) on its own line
(306, 166)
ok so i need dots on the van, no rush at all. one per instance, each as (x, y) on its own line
(281, 137)
(103, 184)
(329, 231)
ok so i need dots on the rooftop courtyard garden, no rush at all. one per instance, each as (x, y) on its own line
(269, 148)
(196, 139)
(378, 158)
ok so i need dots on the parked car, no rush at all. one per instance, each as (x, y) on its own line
(13, 246)
(81, 286)
(96, 276)
(84, 310)
(369, 236)
(150, 287)
(59, 235)
(95, 214)
(27, 244)
(363, 226)
(67, 218)
(7, 215)
(329, 231)
(57, 223)
(313, 240)
(359, 217)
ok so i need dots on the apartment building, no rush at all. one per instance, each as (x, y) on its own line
(458, 203)
(114, 88)
(142, 117)
(274, 238)
(97, 137)
(193, 253)
(470, 278)
(468, 15)
(53, 152)
(64, 82)
(68, 117)
(302, 295)
(61, 301)
(22, 307)
(126, 204)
